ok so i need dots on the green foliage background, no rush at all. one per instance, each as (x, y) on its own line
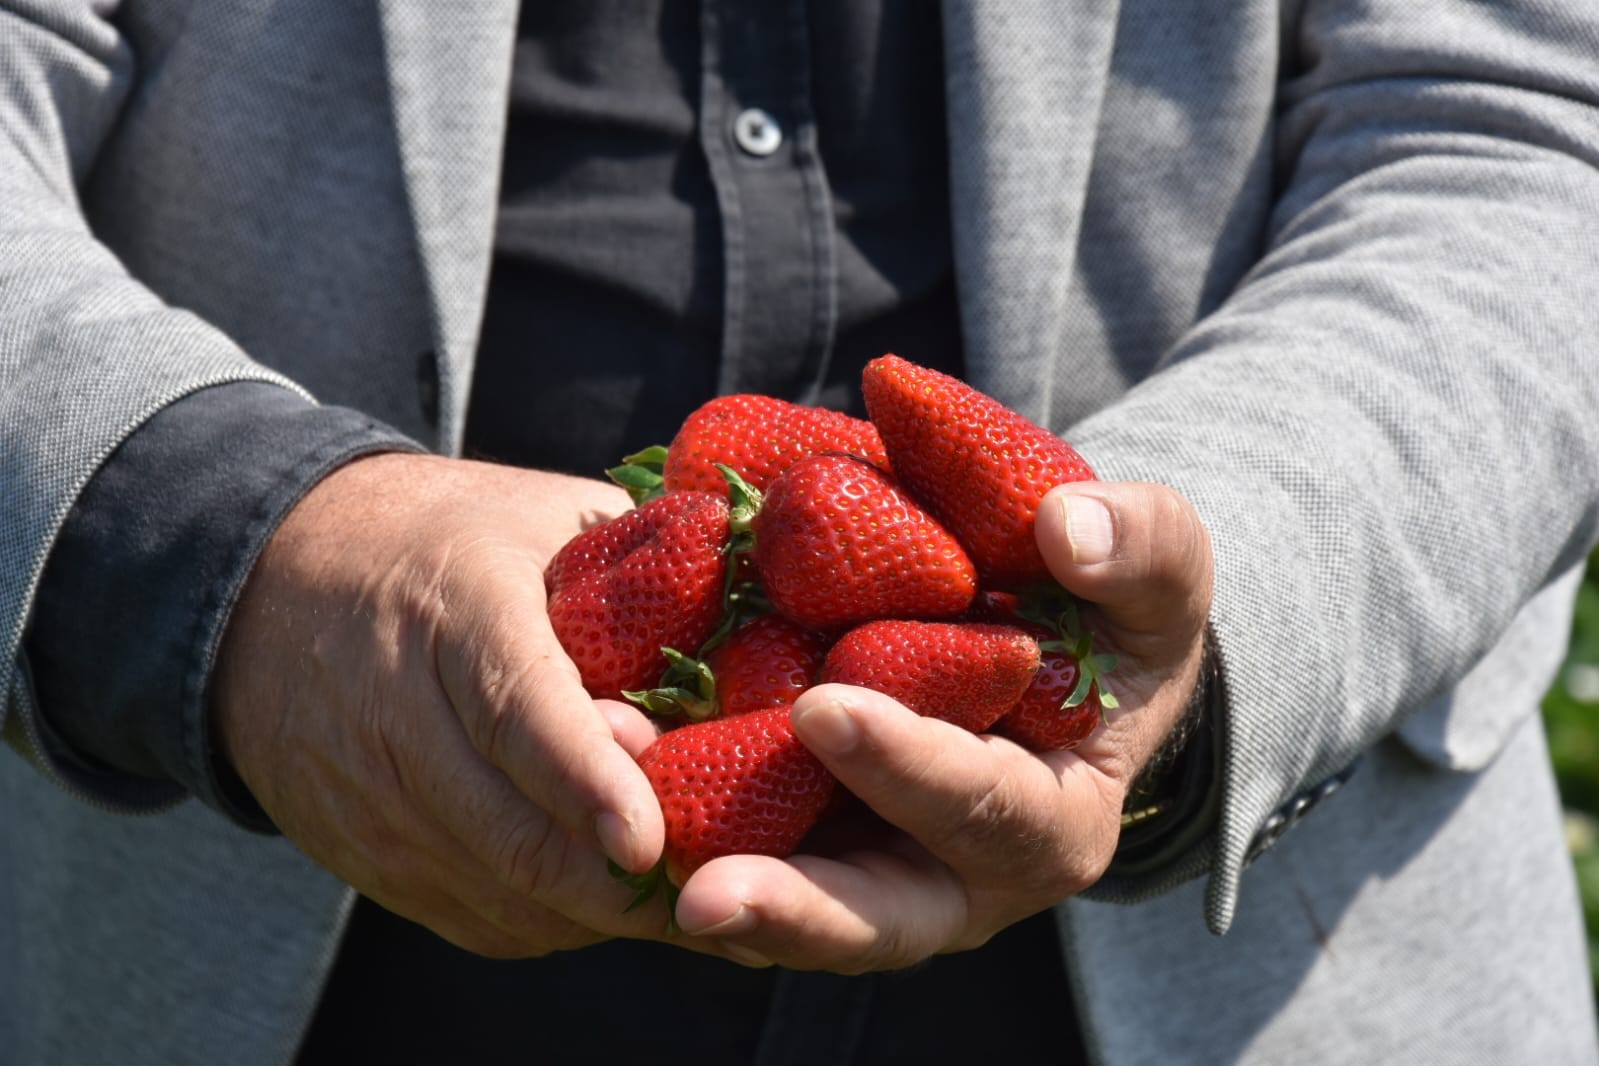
(1571, 713)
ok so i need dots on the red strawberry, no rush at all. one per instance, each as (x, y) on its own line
(757, 436)
(978, 466)
(649, 578)
(1044, 719)
(837, 542)
(734, 786)
(764, 662)
(1065, 703)
(767, 661)
(967, 673)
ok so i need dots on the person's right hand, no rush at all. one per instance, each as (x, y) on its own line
(390, 691)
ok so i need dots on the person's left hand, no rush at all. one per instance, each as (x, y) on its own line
(979, 833)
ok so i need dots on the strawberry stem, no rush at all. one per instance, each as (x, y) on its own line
(743, 600)
(744, 500)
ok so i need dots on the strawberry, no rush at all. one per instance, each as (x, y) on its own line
(978, 466)
(764, 662)
(967, 673)
(767, 661)
(757, 436)
(1066, 702)
(652, 577)
(734, 786)
(1044, 719)
(837, 543)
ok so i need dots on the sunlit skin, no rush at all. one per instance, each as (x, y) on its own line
(391, 692)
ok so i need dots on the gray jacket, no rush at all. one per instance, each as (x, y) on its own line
(1330, 268)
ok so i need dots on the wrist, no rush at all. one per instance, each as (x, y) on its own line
(1154, 792)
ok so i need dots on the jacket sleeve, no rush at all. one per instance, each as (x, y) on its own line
(140, 584)
(1389, 426)
(86, 353)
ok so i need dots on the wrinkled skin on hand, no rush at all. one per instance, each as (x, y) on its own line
(391, 693)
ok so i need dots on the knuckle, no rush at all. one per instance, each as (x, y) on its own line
(992, 820)
(894, 949)
(498, 727)
(520, 855)
(992, 830)
(494, 725)
(389, 749)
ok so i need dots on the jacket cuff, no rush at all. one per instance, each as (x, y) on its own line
(140, 584)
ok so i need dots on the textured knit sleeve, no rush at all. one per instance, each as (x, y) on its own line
(1389, 426)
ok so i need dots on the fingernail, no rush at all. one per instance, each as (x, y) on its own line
(615, 835)
(1089, 530)
(740, 953)
(827, 726)
(738, 923)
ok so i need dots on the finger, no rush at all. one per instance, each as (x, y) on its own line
(505, 929)
(374, 836)
(994, 812)
(872, 910)
(525, 709)
(1137, 550)
(519, 847)
(632, 728)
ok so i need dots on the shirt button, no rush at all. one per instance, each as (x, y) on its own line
(757, 132)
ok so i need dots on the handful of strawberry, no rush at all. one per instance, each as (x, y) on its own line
(777, 546)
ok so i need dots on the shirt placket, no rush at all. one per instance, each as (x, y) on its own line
(758, 132)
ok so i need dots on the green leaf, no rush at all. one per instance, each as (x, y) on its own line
(641, 474)
(1085, 685)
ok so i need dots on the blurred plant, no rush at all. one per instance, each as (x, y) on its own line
(1571, 716)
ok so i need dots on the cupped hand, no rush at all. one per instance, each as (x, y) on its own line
(391, 693)
(975, 832)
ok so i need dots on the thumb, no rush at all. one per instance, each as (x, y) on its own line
(1138, 550)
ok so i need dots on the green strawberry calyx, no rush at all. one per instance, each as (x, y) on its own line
(1053, 607)
(642, 474)
(646, 886)
(687, 690)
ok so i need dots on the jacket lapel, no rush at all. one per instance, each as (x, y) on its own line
(1025, 80)
(449, 72)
